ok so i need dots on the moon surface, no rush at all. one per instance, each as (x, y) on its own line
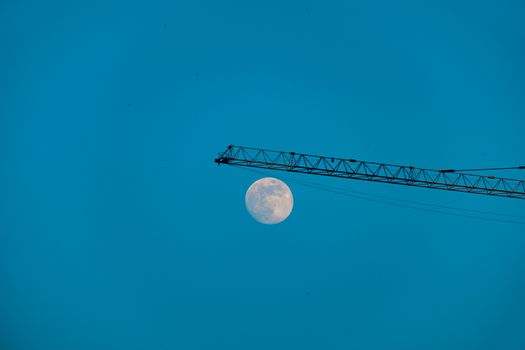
(269, 200)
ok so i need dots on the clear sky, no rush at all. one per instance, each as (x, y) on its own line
(117, 230)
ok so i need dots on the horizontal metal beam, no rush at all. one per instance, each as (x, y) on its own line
(370, 171)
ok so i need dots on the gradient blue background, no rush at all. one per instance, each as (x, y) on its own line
(117, 230)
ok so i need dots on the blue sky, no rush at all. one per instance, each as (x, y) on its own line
(117, 230)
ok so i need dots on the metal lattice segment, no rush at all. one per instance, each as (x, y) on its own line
(371, 171)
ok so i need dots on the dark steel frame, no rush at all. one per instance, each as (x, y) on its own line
(370, 171)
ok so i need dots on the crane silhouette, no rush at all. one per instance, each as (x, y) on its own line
(446, 179)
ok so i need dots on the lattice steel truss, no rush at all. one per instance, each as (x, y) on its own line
(370, 171)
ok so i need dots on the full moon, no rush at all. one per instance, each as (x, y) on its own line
(269, 200)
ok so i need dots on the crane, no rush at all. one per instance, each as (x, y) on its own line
(446, 179)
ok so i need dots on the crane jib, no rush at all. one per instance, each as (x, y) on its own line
(448, 179)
